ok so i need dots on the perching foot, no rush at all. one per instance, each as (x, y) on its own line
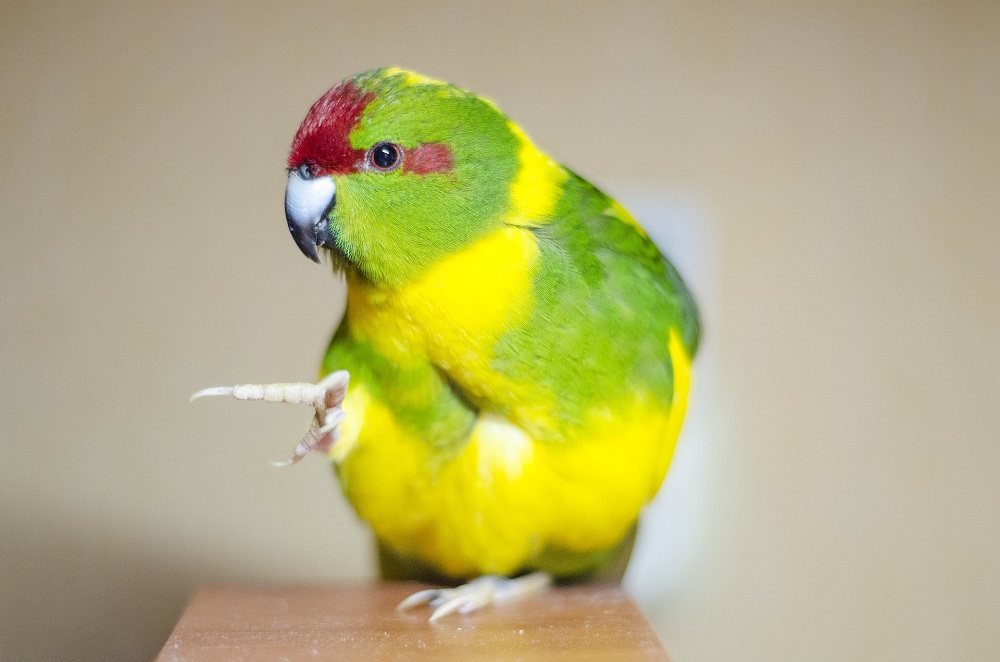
(477, 594)
(325, 397)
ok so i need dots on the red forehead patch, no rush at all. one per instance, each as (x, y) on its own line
(323, 138)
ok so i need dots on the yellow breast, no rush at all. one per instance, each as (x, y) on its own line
(455, 313)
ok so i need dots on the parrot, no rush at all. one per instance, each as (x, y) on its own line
(505, 390)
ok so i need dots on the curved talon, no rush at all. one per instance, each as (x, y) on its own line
(418, 598)
(460, 604)
(301, 450)
(213, 390)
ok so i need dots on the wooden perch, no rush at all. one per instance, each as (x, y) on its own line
(360, 622)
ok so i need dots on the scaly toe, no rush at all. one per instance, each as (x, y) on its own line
(478, 593)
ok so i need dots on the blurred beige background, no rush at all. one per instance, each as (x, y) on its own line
(843, 162)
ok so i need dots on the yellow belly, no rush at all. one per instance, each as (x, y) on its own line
(504, 498)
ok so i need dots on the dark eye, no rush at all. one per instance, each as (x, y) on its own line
(305, 171)
(385, 156)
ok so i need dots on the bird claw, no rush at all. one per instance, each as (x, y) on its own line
(325, 397)
(419, 598)
(480, 592)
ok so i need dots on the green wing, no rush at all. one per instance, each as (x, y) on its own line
(605, 303)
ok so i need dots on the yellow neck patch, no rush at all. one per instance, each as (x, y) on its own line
(537, 185)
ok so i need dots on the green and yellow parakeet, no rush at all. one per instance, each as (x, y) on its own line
(518, 349)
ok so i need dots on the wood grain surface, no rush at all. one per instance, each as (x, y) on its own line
(359, 622)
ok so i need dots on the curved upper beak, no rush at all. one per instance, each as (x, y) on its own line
(308, 201)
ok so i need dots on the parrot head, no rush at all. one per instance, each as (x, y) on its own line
(390, 171)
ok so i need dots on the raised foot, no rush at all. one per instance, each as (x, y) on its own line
(325, 397)
(477, 594)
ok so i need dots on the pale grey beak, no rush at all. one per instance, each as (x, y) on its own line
(308, 201)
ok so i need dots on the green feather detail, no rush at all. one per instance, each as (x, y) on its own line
(605, 301)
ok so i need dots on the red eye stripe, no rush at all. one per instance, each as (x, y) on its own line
(428, 158)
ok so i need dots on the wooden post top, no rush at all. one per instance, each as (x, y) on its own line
(360, 622)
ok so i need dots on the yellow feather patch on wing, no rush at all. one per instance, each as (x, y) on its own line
(678, 407)
(537, 184)
(616, 210)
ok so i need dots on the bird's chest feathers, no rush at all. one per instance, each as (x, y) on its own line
(455, 313)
